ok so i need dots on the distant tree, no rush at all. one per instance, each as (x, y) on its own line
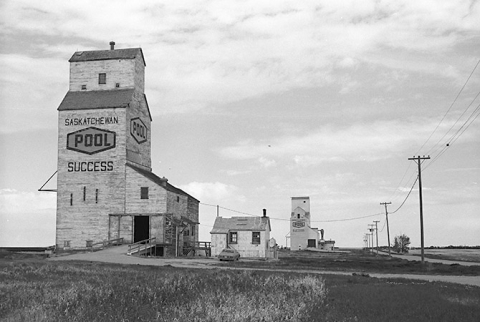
(401, 243)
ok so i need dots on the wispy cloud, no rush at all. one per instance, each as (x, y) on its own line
(361, 142)
(213, 192)
(205, 53)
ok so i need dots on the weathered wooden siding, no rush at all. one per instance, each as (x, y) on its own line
(120, 71)
(139, 153)
(246, 248)
(100, 174)
(219, 242)
(156, 202)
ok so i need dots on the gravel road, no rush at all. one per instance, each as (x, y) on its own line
(118, 255)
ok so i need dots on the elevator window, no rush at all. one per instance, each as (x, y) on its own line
(144, 193)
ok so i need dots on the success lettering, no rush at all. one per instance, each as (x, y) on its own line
(90, 166)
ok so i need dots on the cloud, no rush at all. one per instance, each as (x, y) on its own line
(27, 218)
(18, 202)
(203, 53)
(213, 192)
(360, 142)
(30, 89)
(266, 163)
(367, 142)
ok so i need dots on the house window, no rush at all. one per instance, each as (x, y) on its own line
(178, 199)
(84, 87)
(255, 237)
(233, 237)
(144, 193)
(102, 78)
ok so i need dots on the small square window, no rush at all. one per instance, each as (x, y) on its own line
(117, 85)
(102, 78)
(144, 193)
(233, 237)
(255, 237)
(84, 87)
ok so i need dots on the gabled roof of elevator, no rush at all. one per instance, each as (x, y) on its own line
(127, 53)
(96, 99)
(163, 182)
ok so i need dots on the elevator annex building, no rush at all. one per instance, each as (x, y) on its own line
(105, 185)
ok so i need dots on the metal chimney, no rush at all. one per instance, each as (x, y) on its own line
(264, 213)
(112, 45)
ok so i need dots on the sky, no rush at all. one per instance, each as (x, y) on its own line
(256, 102)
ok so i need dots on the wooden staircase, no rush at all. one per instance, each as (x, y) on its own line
(144, 247)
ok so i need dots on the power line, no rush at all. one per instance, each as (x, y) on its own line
(384, 224)
(451, 105)
(401, 181)
(284, 219)
(408, 195)
(456, 135)
(458, 119)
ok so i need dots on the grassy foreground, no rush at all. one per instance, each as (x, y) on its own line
(38, 290)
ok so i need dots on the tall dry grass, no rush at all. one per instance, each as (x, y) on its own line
(92, 292)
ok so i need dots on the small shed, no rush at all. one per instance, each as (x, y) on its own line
(250, 236)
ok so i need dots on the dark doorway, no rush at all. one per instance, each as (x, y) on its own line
(141, 228)
(312, 243)
(159, 251)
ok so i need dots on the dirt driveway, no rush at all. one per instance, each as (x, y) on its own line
(118, 255)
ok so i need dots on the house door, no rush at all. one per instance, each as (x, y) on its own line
(311, 243)
(141, 228)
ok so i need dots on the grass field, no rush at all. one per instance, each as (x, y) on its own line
(357, 261)
(33, 289)
(467, 255)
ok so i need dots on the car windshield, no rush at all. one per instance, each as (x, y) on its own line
(229, 251)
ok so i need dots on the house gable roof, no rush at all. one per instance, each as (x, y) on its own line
(224, 225)
(126, 53)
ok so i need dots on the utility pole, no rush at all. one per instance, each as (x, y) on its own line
(388, 228)
(371, 229)
(419, 163)
(376, 231)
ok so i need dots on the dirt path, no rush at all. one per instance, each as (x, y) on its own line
(118, 255)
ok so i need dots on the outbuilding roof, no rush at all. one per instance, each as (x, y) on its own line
(224, 225)
(126, 53)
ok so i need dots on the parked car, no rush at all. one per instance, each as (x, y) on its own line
(229, 254)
